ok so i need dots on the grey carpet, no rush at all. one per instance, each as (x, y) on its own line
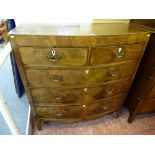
(18, 106)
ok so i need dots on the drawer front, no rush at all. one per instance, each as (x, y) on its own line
(111, 54)
(77, 77)
(34, 56)
(77, 111)
(54, 95)
(59, 111)
(79, 41)
(103, 107)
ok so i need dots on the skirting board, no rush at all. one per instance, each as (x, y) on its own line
(29, 123)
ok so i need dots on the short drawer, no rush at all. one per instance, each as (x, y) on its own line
(33, 56)
(111, 54)
(57, 95)
(77, 111)
(53, 77)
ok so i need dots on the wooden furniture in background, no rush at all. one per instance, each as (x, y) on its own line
(141, 98)
(77, 72)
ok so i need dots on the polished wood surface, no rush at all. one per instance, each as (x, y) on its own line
(145, 22)
(141, 97)
(111, 54)
(55, 95)
(78, 41)
(148, 106)
(151, 92)
(76, 111)
(46, 78)
(76, 29)
(79, 35)
(53, 57)
(77, 72)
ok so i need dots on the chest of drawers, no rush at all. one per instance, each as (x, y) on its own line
(141, 97)
(77, 72)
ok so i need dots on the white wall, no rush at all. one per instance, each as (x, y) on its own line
(73, 20)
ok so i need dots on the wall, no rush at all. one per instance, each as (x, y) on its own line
(75, 20)
(111, 20)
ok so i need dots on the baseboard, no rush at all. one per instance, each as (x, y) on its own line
(29, 123)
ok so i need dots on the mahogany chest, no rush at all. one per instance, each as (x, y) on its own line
(77, 72)
(141, 98)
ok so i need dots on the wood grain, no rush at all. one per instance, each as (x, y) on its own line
(57, 95)
(102, 55)
(65, 56)
(77, 111)
(44, 78)
(142, 92)
(75, 84)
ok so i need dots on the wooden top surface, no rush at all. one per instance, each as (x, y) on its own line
(76, 29)
(147, 28)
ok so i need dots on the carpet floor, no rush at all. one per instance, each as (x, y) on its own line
(107, 125)
(18, 106)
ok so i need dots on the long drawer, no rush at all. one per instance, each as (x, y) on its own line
(78, 76)
(111, 54)
(35, 56)
(77, 111)
(57, 95)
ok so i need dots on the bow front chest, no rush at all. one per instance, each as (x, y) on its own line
(77, 72)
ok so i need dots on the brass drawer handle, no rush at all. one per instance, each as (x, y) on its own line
(53, 57)
(58, 97)
(119, 53)
(114, 73)
(109, 90)
(56, 78)
(56, 113)
(104, 107)
(59, 114)
(42, 110)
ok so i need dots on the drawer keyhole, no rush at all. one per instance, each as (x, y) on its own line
(85, 89)
(84, 106)
(87, 71)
